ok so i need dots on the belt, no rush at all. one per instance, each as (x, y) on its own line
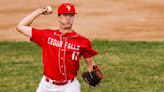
(57, 82)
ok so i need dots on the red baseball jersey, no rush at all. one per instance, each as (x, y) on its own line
(61, 53)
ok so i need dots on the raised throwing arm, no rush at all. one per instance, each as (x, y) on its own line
(24, 25)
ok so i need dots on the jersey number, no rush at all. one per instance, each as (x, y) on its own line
(75, 55)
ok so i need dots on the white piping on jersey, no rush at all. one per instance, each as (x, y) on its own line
(65, 70)
(59, 56)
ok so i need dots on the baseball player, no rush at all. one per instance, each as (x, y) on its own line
(61, 49)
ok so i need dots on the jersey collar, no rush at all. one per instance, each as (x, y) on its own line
(70, 34)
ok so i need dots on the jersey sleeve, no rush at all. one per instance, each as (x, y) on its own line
(37, 36)
(89, 51)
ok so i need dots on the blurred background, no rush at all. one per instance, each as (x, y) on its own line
(135, 20)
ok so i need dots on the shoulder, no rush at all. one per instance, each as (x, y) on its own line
(83, 39)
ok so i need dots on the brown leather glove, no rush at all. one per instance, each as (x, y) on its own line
(94, 77)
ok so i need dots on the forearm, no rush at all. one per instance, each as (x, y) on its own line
(31, 17)
(90, 63)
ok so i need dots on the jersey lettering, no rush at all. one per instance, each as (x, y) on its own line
(73, 46)
(54, 42)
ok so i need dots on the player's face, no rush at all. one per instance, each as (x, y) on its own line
(66, 20)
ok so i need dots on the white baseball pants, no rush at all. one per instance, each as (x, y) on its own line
(45, 86)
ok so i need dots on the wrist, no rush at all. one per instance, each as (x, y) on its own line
(90, 68)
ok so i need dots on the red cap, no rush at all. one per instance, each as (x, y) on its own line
(66, 8)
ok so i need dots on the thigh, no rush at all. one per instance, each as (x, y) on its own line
(72, 87)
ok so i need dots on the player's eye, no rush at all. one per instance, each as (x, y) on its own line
(65, 14)
(71, 15)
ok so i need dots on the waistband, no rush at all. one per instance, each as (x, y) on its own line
(55, 82)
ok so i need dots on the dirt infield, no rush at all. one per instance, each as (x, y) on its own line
(105, 19)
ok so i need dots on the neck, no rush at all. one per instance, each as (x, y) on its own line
(65, 30)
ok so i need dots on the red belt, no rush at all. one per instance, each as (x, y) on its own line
(58, 83)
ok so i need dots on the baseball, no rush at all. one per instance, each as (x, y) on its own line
(49, 9)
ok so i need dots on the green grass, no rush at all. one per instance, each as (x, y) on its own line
(127, 66)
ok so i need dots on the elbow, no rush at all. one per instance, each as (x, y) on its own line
(24, 30)
(18, 28)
